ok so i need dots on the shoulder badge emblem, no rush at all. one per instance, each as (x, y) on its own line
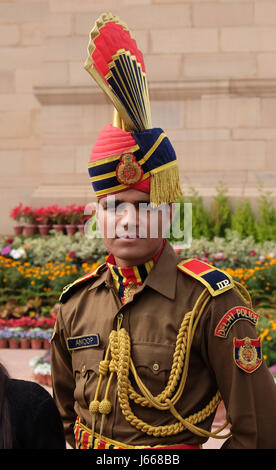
(247, 353)
(231, 317)
(129, 171)
(216, 280)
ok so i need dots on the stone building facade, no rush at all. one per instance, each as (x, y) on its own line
(211, 66)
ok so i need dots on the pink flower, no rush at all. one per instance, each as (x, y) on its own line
(6, 250)
(218, 256)
(177, 248)
(72, 254)
(205, 259)
(252, 253)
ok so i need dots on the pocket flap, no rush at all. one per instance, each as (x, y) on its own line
(155, 356)
(87, 359)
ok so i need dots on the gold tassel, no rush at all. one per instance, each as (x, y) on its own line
(165, 186)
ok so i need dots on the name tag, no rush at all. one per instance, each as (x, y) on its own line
(80, 342)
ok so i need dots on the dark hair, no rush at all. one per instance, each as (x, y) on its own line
(5, 423)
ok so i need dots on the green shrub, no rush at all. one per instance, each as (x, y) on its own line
(201, 218)
(266, 219)
(243, 220)
(220, 213)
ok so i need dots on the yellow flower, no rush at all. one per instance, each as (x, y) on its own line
(264, 334)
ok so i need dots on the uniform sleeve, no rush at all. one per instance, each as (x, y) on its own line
(249, 396)
(63, 379)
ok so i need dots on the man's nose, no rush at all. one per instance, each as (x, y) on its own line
(129, 215)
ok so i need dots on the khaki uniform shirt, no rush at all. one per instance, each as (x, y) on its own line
(153, 319)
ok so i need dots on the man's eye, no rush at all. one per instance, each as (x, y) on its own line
(109, 207)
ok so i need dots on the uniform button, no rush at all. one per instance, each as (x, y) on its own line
(83, 369)
(156, 367)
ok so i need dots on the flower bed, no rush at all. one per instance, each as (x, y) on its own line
(34, 270)
(26, 332)
(30, 221)
(41, 369)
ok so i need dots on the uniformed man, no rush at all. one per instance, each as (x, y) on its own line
(146, 346)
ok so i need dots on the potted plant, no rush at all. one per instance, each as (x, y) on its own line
(72, 218)
(14, 339)
(46, 336)
(41, 369)
(82, 218)
(58, 218)
(16, 214)
(29, 217)
(44, 218)
(4, 337)
(25, 341)
(36, 339)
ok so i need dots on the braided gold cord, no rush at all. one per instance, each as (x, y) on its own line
(121, 357)
(243, 292)
(121, 363)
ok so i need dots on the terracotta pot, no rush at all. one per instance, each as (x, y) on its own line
(13, 343)
(70, 229)
(43, 379)
(25, 343)
(18, 229)
(39, 378)
(44, 230)
(46, 344)
(80, 228)
(4, 343)
(58, 227)
(29, 229)
(36, 343)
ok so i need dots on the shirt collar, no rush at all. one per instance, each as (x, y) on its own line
(162, 277)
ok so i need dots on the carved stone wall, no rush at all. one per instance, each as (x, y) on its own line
(212, 78)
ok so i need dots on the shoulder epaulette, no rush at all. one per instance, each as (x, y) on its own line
(70, 288)
(216, 280)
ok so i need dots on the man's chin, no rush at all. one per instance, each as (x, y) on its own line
(129, 248)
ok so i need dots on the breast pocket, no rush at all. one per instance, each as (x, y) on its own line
(86, 370)
(153, 363)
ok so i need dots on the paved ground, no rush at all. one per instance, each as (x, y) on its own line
(16, 362)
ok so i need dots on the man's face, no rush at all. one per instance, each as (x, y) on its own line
(131, 231)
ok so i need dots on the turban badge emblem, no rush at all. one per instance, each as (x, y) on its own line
(129, 171)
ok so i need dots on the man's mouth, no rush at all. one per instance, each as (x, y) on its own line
(129, 237)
